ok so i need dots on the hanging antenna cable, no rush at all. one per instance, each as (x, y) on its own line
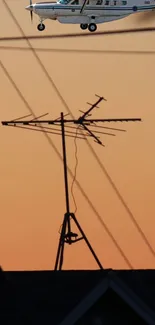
(75, 170)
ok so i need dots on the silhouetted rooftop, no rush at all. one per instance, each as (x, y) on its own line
(50, 295)
(142, 282)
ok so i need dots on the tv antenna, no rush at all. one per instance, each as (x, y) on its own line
(66, 235)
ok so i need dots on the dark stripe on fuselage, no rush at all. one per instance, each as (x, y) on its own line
(78, 7)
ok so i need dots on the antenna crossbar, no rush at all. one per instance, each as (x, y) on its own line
(75, 121)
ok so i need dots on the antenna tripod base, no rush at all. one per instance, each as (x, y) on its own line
(69, 237)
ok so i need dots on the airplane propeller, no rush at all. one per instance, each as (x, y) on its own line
(31, 11)
(30, 8)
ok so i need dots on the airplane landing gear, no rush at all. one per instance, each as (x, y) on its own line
(84, 26)
(92, 27)
(41, 27)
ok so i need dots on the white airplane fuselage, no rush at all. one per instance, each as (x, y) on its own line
(94, 12)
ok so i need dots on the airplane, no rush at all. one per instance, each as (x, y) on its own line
(87, 13)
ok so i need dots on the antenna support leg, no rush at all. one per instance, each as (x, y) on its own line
(69, 237)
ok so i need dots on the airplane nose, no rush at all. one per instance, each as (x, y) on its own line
(30, 8)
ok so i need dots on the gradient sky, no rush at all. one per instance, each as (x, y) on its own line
(32, 201)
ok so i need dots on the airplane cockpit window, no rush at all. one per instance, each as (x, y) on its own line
(75, 2)
(64, 2)
(99, 2)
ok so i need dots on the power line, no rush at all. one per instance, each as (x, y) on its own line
(79, 51)
(69, 111)
(73, 35)
(69, 170)
(36, 56)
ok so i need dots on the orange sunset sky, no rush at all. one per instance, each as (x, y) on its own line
(32, 202)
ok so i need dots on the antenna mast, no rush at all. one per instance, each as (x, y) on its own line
(66, 235)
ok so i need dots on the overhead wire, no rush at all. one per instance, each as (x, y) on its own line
(79, 51)
(69, 170)
(36, 56)
(73, 35)
(93, 152)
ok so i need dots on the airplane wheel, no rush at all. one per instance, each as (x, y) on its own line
(92, 27)
(84, 26)
(41, 27)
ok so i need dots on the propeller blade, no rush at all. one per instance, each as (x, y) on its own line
(31, 14)
(31, 10)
